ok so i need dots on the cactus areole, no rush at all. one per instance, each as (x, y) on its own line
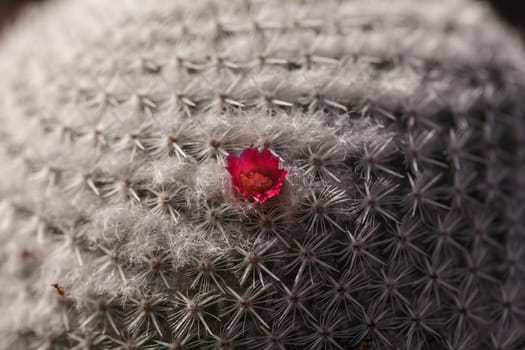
(256, 174)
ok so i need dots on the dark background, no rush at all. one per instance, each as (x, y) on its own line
(513, 11)
(9, 9)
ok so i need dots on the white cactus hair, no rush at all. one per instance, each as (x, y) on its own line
(400, 224)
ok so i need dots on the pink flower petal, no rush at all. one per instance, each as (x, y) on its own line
(256, 174)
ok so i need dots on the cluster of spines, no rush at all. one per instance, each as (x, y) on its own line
(353, 276)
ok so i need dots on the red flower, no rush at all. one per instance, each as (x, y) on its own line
(256, 174)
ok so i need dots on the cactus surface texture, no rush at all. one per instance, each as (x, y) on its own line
(401, 221)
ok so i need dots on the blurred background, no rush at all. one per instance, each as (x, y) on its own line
(513, 11)
(10, 8)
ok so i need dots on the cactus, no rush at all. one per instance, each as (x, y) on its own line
(400, 224)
